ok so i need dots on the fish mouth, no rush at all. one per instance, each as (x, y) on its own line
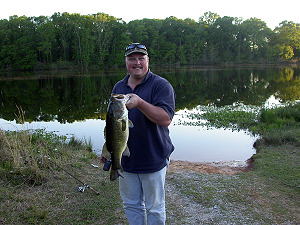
(120, 97)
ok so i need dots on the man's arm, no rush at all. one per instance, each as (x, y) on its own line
(154, 113)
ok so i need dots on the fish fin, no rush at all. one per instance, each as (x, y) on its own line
(105, 153)
(130, 124)
(126, 152)
(124, 125)
(114, 174)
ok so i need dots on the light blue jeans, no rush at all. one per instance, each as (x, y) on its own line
(143, 197)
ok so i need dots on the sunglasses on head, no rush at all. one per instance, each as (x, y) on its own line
(132, 46)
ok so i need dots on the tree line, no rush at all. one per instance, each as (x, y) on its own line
(66, 40)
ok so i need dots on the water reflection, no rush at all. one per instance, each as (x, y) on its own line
(192, 143)
(203, 144)
(197, 144)
(77, 105)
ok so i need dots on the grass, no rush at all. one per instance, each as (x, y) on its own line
(279, 164)
(28, 155)
(235, 117)
(36, 191)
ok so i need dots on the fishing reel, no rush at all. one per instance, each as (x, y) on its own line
(81, 189)
(107, 165)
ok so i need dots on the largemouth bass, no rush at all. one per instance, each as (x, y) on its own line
(116, 134)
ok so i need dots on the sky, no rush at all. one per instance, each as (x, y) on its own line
(271, 12)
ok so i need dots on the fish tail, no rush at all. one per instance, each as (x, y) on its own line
(115, 173)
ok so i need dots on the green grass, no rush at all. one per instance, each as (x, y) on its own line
(236, 117)
(35, 190)
(276, 120)
(278, 148)
(28, 155)
(279, 164)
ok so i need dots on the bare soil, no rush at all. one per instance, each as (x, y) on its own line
(214, 193)
(222, 167)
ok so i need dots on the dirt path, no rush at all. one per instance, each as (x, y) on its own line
(181, 208)
(212, 193)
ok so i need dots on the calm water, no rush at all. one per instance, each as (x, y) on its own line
(77, 106)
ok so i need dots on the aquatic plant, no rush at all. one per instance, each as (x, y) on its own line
(235, 117)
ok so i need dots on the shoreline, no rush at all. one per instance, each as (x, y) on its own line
(220, 167)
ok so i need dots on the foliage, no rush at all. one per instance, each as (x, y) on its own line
(234, 117)
(280, 125)
(98, 40)
(287, 40)
(28, 156)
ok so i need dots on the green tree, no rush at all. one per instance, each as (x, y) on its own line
(146, 31)
(19, 49)
(99, 40)
(223, 36)
(256, 37)
(45, 38)
(287, 40)
(210, 52)
(103, 25)
(63, 38)
(209, 18)
(119, 41)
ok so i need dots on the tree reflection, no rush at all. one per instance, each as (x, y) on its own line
(86, 97)
(287, 84)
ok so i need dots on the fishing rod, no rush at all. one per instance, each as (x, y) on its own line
(81, 189)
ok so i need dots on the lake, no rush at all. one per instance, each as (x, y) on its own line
(76, 104)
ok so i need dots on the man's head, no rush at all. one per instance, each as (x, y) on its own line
(137, 60)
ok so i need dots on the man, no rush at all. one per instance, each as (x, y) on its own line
(151, 107)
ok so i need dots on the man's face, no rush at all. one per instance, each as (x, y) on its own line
(137, 65)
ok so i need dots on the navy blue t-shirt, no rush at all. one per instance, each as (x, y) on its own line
(149, 144)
